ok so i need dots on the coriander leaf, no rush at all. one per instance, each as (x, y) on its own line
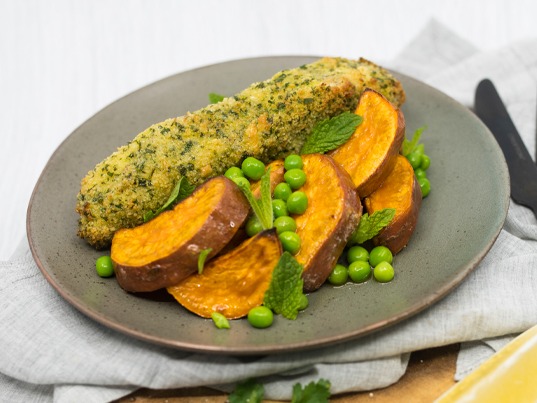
(411, 145)
(262, 207)
(202, 257)
(181, 191)
(313, 392)
(371, 225)
(331, 133)
(214, 98)
(248, 391)
(284, 294)
(220, 321)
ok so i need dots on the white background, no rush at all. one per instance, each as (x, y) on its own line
(63, 60)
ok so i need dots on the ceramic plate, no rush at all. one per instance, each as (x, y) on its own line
(458, 223)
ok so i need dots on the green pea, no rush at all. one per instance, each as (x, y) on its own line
(357, 253)
(425, 186)
(415, 159)
(303, 303)
(295, 178)
(420, 149)
(359, 271)
(291, 242)
(339, 275)
(383, 272)
(253, 168)
(297, 203)
(241, 181)
(260, 317)
(282, 191)
(279, 208)
(234, 172)
(293, 161)
(253, 226)
(284, 224)
(380, 254)
(420, 173)
(104, 266)
(425, 162)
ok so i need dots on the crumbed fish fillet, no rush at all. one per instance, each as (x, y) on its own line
(268, 120)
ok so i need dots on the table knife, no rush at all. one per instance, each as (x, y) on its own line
(522, 170)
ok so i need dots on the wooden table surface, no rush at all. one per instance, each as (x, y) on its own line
(429, 374)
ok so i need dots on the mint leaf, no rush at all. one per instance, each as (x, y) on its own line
(371, 225)
(214, 98)
(248, 391)
(262, 207)
(313, 392)
(284, 295)
(331, 133)
(220, 321)
(181, 191)
(202, 257)
(410, 146)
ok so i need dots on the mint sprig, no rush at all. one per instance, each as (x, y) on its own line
(181, 191)
(331, 133)
(202, 257)
(371, 225)
(262, 207)
(214, 98)
(412, 145)
(285, 290)
(220, 321)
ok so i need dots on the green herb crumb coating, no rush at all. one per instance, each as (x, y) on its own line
(268, 120)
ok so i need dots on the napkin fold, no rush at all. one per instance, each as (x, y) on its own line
(51, 352)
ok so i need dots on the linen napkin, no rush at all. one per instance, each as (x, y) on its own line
(51, 352)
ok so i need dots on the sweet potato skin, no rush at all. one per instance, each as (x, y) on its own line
(165, 250)
(333, 213)
(401, 191)
(370, 154)
(233, 283)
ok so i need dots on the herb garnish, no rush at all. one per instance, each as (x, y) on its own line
(313, 392)
(331, 133)
(371, 225)
(285, 290)
(410, 146)
(248, 391)
(181, 191)
(214, 98)
(252, 391)
(202, 257)
(262, 207)
(220, 321)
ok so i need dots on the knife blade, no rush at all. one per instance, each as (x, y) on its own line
(490, 108)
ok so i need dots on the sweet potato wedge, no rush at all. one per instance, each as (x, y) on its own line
(402, 192)
(165, 250)
(233, 283)
(333, 213)
(276, 176)
(369, 155)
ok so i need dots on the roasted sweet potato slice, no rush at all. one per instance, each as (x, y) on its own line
(333, 213)
(165, 250)
(276, 176)
(402, 192)
(369, 155)
(233, 283)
